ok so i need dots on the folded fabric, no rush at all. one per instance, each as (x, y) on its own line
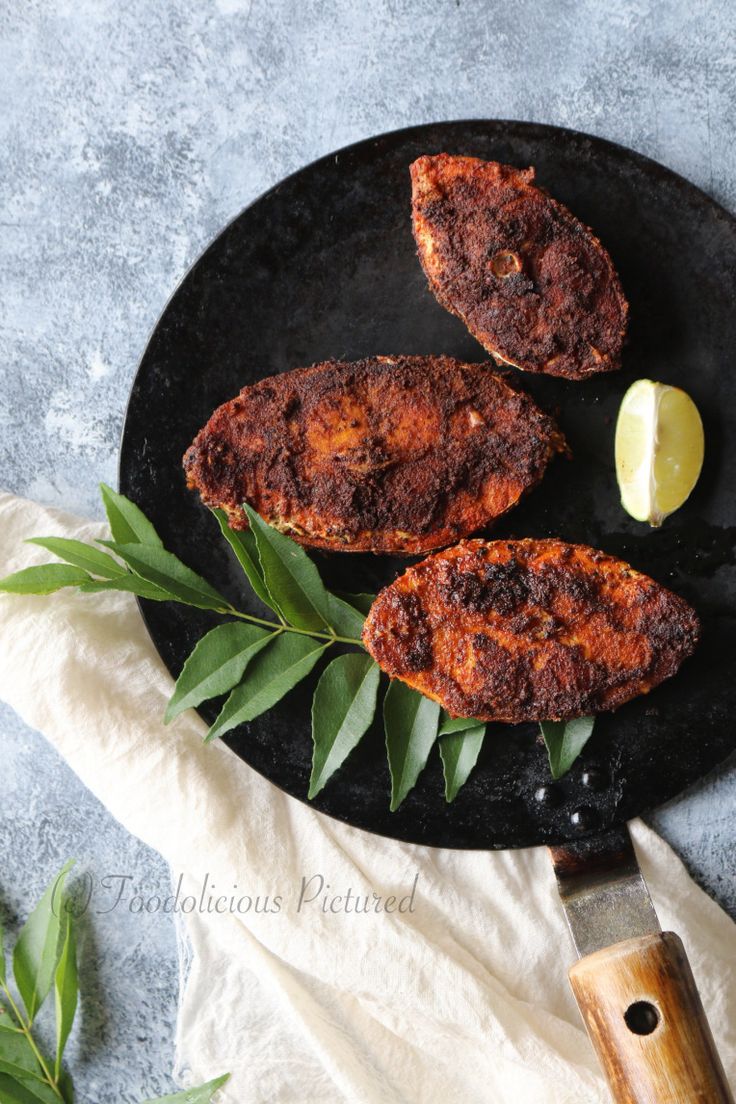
(461, 995)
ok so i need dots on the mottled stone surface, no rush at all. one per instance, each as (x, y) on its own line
(129, 134)
(122, 1044)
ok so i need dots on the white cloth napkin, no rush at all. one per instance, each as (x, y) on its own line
(464, 998)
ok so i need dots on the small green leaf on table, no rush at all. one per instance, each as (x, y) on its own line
(217, 663)
(267, 679)
(128, 524)
(16, 1054)
(167, 572)
(81, 555)
(43, 579)
(66, 991)
(343, 707)
(25, 1090)
(201, 1095)
(410, 722)
(67, 1087)
(290, 574)
(37, 950)
(565, 740)
(459, 751)
(243, 544)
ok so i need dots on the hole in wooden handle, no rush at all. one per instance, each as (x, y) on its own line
(641, 1018)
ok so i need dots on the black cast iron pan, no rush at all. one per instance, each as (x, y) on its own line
(324, 266)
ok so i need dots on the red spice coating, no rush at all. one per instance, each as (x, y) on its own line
(532, 283)
(528, 630)
(387, 454)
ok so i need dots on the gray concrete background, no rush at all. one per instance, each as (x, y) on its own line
(129, 134)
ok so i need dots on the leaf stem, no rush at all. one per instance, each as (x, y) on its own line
(25, 1028)
(280, 626)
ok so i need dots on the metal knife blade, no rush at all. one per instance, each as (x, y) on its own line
(604, 894)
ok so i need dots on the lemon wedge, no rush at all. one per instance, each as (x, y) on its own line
(659, 450)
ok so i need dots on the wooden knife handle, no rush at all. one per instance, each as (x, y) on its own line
(647, 1024)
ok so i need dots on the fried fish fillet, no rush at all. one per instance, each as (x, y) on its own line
(387, 454)
(528, 630)
(533, 285)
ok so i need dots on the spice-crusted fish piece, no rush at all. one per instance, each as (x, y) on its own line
(387, 454)
(528, 630)
(533, 285)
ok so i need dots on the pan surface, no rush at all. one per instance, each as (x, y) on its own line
(324, 266)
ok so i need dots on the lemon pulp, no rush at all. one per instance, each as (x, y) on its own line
(659, 450)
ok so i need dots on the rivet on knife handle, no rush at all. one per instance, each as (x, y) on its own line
(637, 995)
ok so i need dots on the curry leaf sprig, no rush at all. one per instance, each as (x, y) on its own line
(254, 661)
(45, 959)
(564, 741)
